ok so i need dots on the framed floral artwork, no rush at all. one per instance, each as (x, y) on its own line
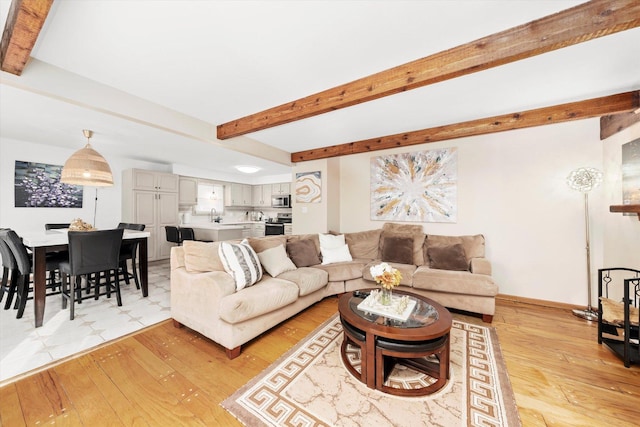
(37, 185)
(415, 187)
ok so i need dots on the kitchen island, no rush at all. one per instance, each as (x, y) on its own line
(215, 231)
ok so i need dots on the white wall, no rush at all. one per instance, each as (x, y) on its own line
(511, 188)
(25, 220)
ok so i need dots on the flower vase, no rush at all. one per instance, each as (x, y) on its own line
(385, 296)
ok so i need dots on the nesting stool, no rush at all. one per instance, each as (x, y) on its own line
(414, 355)
(358, 338)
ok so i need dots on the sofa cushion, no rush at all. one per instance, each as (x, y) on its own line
(201, 256)
(448, 258)
(473, 245)
(454, 282)
(406, 270)
(303, 252)
(405, 230)
(342, 271)
(264, 297)
(308, 279)
(260, 244)
(313, 237)
(241, 262)
(363, 244)
(397, 249)
(333, 255)
(275, 261)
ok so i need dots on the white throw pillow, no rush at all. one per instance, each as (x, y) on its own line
(276, 261)
(241, 262)
(339, 254)
(331, 241)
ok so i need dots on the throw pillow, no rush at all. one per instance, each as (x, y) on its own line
(339, 254)
(276, 261)
(241, 262)
(303, 253)
(398, 249)
(448, 258)
(331, 241)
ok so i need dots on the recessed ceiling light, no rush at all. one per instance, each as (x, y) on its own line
(247, 169)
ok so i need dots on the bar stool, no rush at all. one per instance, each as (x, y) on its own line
(354, 336)
(129, 251)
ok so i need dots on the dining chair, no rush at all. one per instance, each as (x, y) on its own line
(129, 251)
(10, 272)
(173, 234)
(91, 252)
(56, 226)
(24, 269)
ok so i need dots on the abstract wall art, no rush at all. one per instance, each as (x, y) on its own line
(415, 187)
(631, 173)
(308, 187)
(37, 185)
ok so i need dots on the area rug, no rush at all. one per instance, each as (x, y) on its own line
(310, 386)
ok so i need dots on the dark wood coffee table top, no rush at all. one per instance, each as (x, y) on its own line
(429, 320)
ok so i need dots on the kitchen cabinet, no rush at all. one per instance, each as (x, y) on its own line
(257, 230)
(282, 188)
(188, 191)
(288, 229)
(145, 180)
(261, 196)
(144, 201)
(237, 194)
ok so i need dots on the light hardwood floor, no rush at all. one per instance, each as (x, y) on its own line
(168, 376)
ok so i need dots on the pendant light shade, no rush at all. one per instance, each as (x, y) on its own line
(87, 167)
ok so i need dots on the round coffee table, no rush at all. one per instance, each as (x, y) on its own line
(410, 342)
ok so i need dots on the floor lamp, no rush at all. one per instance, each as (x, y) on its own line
(585, 180)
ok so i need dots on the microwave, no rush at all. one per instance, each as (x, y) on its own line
(281, 201)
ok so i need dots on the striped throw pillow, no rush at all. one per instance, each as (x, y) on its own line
(241, 262)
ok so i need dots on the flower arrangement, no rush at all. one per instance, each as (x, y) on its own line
(385, 275)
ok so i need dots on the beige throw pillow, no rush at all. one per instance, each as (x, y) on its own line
(275, 261)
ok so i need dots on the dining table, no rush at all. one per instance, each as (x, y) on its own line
(41, 243)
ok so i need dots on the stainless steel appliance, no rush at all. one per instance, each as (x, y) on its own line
(281, 201)
(275, 227)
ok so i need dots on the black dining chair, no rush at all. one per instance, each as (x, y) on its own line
(129, 251)
(10, 272)
(91, 252)
(24, 269)
(173, 234)
(56, 226)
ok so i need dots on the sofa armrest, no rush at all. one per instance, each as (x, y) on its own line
(481, 266)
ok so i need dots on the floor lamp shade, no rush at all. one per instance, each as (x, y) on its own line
(87, 167)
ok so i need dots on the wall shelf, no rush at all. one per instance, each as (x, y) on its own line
(626, 209)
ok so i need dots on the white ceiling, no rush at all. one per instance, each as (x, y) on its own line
(216, 61)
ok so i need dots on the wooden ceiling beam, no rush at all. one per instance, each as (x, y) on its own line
(584, 22)
(24, 22)
(596, 107)
(614, 123)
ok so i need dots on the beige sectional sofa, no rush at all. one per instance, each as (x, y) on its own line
(451, 270)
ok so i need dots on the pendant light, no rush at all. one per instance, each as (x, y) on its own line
(87, 167)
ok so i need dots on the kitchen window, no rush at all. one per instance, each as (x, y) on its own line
(210, 196)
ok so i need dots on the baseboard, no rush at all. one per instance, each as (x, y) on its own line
(538, 302)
